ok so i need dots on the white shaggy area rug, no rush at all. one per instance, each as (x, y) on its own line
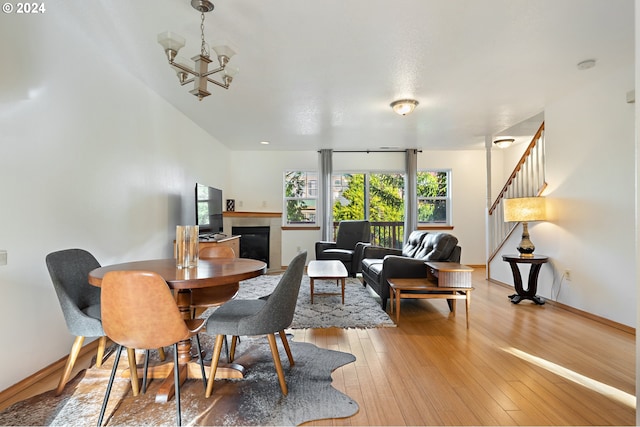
(361, 307)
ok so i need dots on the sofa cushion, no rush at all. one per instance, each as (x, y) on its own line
(369, 264)
(344, 255)
(372, 268)
(436, 247)
(410, 248)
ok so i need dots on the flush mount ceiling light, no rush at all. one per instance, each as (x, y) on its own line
(503, 142)
(172, 43)
(585, 65)
(404, 106)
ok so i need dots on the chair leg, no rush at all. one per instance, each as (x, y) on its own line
(68, 367)
(285, 343)
(176, 379)
(201, 360)
(232, 352)
(109, 385)
(133, 369)
(276, 361)
(215, 358)
(102, 343)
(144, 372)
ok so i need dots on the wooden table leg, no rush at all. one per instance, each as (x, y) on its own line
(398, 294)
(188, 368)
(311, 283)
(343, 281)
(468, 305)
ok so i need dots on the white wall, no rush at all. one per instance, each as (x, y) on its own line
(590, 155)
(92, 159)
(256, 184)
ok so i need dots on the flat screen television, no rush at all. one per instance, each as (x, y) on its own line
(208, 209)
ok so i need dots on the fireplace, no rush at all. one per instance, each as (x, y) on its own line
(254, 242)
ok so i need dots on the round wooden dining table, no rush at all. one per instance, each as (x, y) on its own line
(217, 272)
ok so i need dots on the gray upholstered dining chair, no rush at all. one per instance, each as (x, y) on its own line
(80, 302)
(139, 311)
(263, 316)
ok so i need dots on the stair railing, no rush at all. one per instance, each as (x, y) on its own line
(528, 179)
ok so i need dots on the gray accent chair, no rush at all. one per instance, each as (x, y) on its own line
(80, 302)
(346, 248)
(379, 264)
(263, 316)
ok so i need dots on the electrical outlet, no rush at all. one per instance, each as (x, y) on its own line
(567, 275)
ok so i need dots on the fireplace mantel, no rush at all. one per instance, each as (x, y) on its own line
(229, 214)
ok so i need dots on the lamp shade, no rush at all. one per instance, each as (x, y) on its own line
(525, 209)
(223, 49)
(171, 41)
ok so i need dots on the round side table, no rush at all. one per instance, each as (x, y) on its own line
(536, 262)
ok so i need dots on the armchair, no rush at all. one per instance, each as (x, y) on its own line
(346, 248)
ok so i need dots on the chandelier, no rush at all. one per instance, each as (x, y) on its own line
(199, 73)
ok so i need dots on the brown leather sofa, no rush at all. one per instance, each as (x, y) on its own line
(379, 264)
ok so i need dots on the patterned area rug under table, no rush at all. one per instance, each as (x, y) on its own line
(361, 308)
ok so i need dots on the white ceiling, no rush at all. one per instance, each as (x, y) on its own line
(321, 73)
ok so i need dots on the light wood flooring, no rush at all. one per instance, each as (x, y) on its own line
(516, 365)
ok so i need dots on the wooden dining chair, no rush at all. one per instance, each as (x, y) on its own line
(139, 311)
(213, 296)
(260, 316)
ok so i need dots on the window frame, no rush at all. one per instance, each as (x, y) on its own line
(447, 199)
(309, 190)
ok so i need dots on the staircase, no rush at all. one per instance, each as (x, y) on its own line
(527, 180)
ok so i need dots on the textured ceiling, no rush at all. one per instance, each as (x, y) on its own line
(321, 73)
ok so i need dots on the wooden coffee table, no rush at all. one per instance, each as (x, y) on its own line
(445, 280)
(327, 269)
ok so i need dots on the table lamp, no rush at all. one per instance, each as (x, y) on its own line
(523, 210)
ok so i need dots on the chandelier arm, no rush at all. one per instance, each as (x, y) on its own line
(184, 68)
(186, 82)
(226, 86)
(208, 73)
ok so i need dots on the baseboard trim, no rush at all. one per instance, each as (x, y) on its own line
(586, 314)
(54, 369)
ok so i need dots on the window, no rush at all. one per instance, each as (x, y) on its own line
(347, 196)
(378, 197)
(434, 197)
(300, 197)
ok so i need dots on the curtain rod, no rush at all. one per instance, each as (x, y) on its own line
(374, 151)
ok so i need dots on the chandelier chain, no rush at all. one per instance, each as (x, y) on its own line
(203, 49)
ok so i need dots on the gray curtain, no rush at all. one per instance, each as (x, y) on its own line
(410, 193)
(324, 187)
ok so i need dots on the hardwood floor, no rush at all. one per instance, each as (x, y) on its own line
(516, 365)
